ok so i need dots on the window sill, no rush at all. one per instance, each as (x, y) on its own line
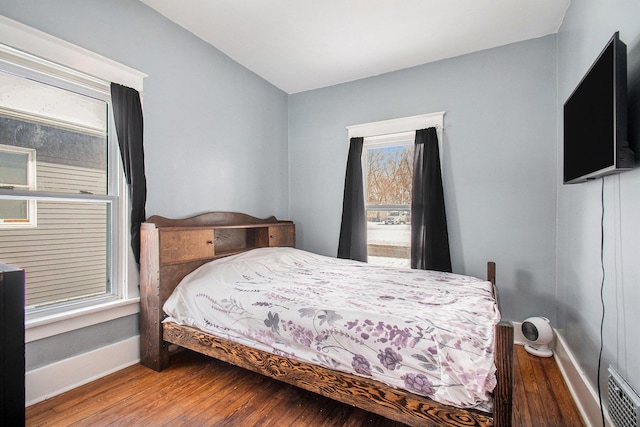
(55, 324)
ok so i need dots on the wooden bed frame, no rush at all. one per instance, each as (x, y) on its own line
(172, 248)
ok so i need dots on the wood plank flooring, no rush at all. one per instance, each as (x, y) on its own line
(199, 391)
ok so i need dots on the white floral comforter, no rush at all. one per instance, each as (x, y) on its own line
(424, 331)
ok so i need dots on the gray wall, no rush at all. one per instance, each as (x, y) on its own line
(588, 26)
(499, 160)
(215, 133)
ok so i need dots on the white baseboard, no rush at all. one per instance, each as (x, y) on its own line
(518, 338)
(585, 397)
(51, 380)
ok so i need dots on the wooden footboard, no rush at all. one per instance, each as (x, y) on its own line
(364, 393)
(173, 248)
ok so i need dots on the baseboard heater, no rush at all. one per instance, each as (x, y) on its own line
(624, 402)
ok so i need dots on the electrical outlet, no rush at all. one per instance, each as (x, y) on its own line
(624, 402)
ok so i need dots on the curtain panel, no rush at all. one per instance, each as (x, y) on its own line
(353, 231)
(429, 235)
(127, 112)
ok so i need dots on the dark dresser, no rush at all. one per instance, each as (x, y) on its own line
(12, 365)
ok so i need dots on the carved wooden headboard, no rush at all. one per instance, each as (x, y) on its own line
(172, 248)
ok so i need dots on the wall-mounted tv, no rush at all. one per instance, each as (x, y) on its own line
(595, 119)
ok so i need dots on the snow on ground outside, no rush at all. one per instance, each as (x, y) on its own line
(389, 262)
(388, 234)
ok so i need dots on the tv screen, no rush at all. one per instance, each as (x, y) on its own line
(595, 119)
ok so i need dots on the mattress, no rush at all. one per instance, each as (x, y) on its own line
(427, 332)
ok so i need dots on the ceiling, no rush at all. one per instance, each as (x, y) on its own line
(300, 45)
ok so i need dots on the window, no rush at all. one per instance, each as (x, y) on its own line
(17, 171)
(66, 253)
(388, 170)
(60, 171)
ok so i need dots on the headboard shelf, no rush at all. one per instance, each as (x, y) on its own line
(267, 224)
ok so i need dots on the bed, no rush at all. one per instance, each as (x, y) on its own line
(385, 364)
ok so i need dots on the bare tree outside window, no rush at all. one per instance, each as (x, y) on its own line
(390, 170)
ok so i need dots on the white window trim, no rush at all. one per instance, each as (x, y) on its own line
(39, 44)
(94, 72)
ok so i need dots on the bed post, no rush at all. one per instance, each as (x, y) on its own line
(154, 353)
(503, 393)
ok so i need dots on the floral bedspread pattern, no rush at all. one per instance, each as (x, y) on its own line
(424, 331)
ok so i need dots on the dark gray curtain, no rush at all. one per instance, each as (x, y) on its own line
(429, 235)
(353, 231)
(127, 112)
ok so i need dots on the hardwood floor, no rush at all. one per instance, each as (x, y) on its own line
(199, 391)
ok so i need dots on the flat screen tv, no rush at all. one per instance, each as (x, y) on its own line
(595, 119)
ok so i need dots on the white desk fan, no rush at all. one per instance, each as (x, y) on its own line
(538, 334)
